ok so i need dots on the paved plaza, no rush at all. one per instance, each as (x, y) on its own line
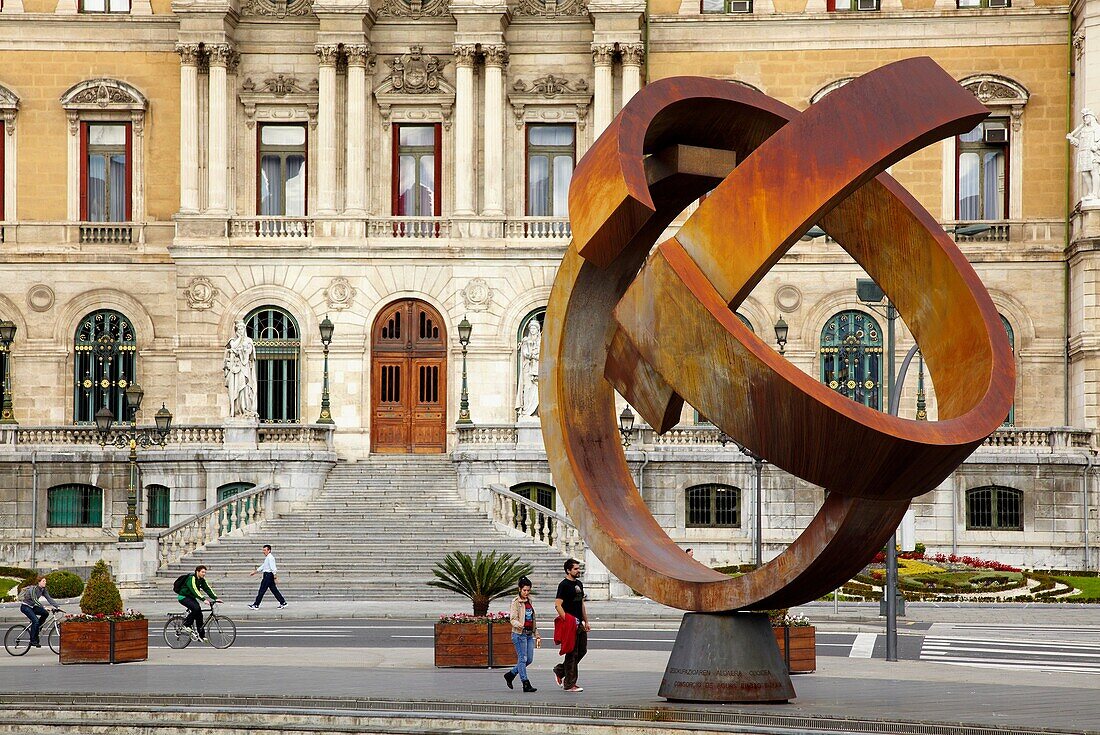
(848, 692)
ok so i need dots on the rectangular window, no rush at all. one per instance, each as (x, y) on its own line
(104, 6)
(726, 6)
(74, 506)
(416, 170)
(982, 172)
(105, 174)
(282, 171)
(551, 151)
(157, 498)
(841, 6)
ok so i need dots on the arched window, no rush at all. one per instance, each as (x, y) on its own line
(157, 506)
(851, 357)
(713, 506)
(994, 508)
(1010, 420)
(277, 348)
(104, 363)
(74, 506)
(745, 320)
(238, 511)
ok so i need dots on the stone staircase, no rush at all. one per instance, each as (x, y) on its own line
(373, 533)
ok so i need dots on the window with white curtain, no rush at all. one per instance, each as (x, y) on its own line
(104, 6)
(551, 151)
(282, 174)
(107, 172)
(983, 172)
(416, 171)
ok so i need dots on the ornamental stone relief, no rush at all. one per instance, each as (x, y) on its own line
(477, 295)
(340, 294)
(550, 86)
(200, 293)
(413, 8)
(279, 85)
(551, 8)
(989, 90)
(416, 72)
(276, 8)
(40, 298)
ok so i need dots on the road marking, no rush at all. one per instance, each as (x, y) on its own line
(939, 641)
(1013, 665)
(864, 645)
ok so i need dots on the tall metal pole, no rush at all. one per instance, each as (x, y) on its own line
(464, 401)
(326, 408)
(892, 547)
(758, 464)
(131, 526)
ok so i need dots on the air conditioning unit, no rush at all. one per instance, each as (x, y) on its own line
(740, 6)
(1000, 3)
(996, 136)
(866, 4)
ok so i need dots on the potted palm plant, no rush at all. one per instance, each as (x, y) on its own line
(481, 639)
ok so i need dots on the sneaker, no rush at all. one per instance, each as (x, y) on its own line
(38, 644)
(253, 607)
(509, 677)
(281, 605)
(574, 689)
(559, 681)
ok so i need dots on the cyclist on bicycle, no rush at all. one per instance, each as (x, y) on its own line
(30, 600)
(192, 593)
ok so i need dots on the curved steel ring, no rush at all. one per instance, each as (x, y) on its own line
(659, 327)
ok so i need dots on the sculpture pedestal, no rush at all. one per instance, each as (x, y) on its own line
(529, 433)
(241, 433)
(726, 657)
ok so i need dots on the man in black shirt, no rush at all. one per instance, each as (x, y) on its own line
(570, 601)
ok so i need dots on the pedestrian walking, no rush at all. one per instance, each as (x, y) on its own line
(569, 605)
(271, 574)
(525, 635)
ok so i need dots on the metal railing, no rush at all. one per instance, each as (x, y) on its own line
(285, 228)
(534, 520)
(239, 511)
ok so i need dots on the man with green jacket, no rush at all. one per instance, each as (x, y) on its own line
(191, 594)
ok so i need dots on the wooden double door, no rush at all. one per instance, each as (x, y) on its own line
(409, 380)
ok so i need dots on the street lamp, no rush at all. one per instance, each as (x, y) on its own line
(7, 336)
(626, 426)
(758, 491)
(464, 330)
(133, 438)
(327, 328)
(781, 334)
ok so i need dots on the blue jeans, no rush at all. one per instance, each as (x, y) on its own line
(36, 617)
(525, 653)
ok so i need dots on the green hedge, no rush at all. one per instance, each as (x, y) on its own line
(64, 584)
(100, 594)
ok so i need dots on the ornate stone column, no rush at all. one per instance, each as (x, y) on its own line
(496, 57)
(189, 127)
(326, 128)
(633, 59)
(355, 193)
(602, 58)
(217, 170)
(464, 129)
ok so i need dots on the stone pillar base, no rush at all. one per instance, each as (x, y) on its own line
(529, 433)
(131, 557)
(241, 433)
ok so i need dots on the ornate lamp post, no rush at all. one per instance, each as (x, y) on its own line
(133, 438)
(327, 329)
(464, 329)
(626, 426)
(781, 334)
(7, 336)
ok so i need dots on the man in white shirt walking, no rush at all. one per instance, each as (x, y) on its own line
(271, 573)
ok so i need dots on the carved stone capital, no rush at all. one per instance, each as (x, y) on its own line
(633, 53)
(603, 54)
(495, 55)
(464, 54)
(327, 53)
(358, 54)
(74, 121)
(219, 54)
(189, 53)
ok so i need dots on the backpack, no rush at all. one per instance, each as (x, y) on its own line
(181, 580)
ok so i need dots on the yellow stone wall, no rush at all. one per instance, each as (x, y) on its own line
(784, 7)
(40, 78)
(793, 76)
(160, 7)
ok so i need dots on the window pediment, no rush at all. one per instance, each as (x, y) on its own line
(413, 8)
(551, 8)
(279, 98)
(103, 94)
(550, 99)
(276, 8)
(416, 89)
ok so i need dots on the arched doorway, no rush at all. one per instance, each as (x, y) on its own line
(408, 380)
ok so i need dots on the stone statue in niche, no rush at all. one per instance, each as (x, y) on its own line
(527, 393)
(239, 367)
(1086, 138)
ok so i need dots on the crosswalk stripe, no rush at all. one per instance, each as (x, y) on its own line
(935, 640)
(864, 645)
(1017, 651)
(1014, 665)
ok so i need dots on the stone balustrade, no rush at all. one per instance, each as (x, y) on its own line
(493, 434)
(232, 514)
(311, 436)
(540, 523)
(270, 228)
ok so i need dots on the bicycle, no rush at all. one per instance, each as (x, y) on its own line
(221, 632)
(17, 640)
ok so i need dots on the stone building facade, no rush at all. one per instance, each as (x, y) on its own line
(400, 166)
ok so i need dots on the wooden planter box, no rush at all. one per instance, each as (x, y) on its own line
(474, 645)
(803, 640)
(104, 641)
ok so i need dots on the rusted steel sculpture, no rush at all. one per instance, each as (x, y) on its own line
(659, 327)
